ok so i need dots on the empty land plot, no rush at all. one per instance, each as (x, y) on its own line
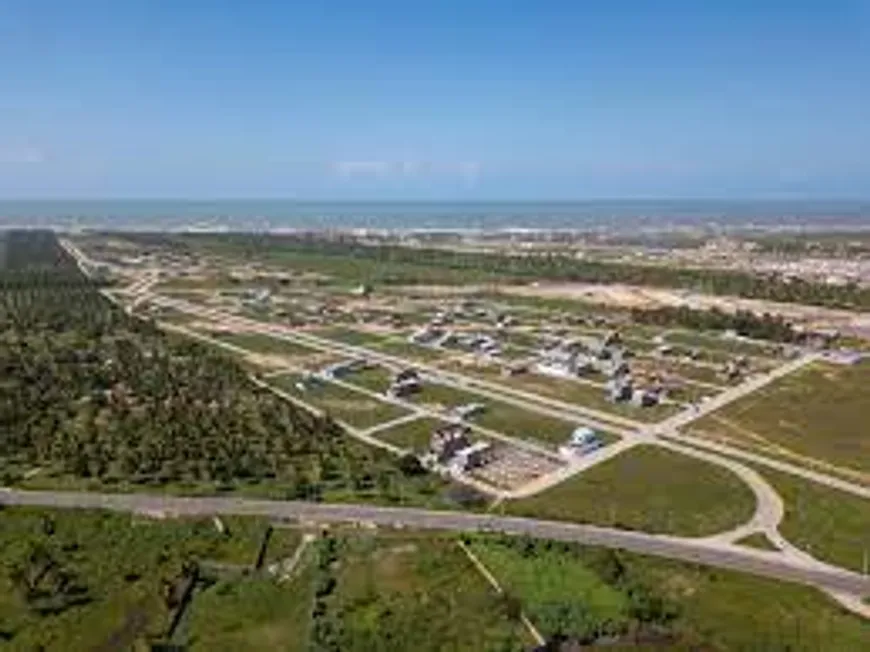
(254, 613)
(375, 379)
(400, 593)
(411, 351)
(414, 435)
(516, 422)
(350, 336)
(684, 368)
(819, 412)
(636, 602)
(829, 524)
(649, 489)
(439, 395)
(510, 467)
(354, 408)
(259, 343)
(718, 343)
(557, 591)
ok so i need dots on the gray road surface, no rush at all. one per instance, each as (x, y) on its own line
(748, 560)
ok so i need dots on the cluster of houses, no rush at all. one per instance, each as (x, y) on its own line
(608, 356)
(451, 448)
(473, 342)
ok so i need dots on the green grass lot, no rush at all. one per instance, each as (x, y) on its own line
(820, 411)
(717, 343)
(757, 540)
(829, 524)
(405, 349)
(435, 395)
(254, 613)
(404, 592)
(375, 379)
(351, 336)
(689, 370)
(413, 434)
(584, 592)
(258, 343)
(119, 560)
(354, 408)
(648, 489)
(556, 591)
(525, 424)
(282, 544)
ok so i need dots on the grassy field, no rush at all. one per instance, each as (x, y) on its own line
(263, 343)
(717, 343)
(351, 336)
(820, 412)
(435, 395)
(410, 592)
(375, 379)
(354, 408)
(557, 592)
(757, 540)
(626, 602)
(649, 489)
(829, 524)
(254, 613)
(413, 434)
(517, 422)
(412, 351)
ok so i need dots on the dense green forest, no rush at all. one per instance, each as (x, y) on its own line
(89, 392)
(392, 264)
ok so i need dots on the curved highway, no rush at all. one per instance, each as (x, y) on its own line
(748, 560)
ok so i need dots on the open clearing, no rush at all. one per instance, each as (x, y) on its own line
(413, 434)
(649, 489)
(407, 592)
(820, 411)
(259, 343)
(354, 408)
(829, 524)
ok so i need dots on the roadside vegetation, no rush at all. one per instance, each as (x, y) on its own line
(584, 596)
(407, 592)
(649, 489)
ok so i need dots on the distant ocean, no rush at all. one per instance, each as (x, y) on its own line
(618, 216)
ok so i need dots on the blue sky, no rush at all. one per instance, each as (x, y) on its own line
(471, 99)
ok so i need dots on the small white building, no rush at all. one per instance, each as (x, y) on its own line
(583, 440)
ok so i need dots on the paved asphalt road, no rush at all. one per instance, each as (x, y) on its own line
(749, 560)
